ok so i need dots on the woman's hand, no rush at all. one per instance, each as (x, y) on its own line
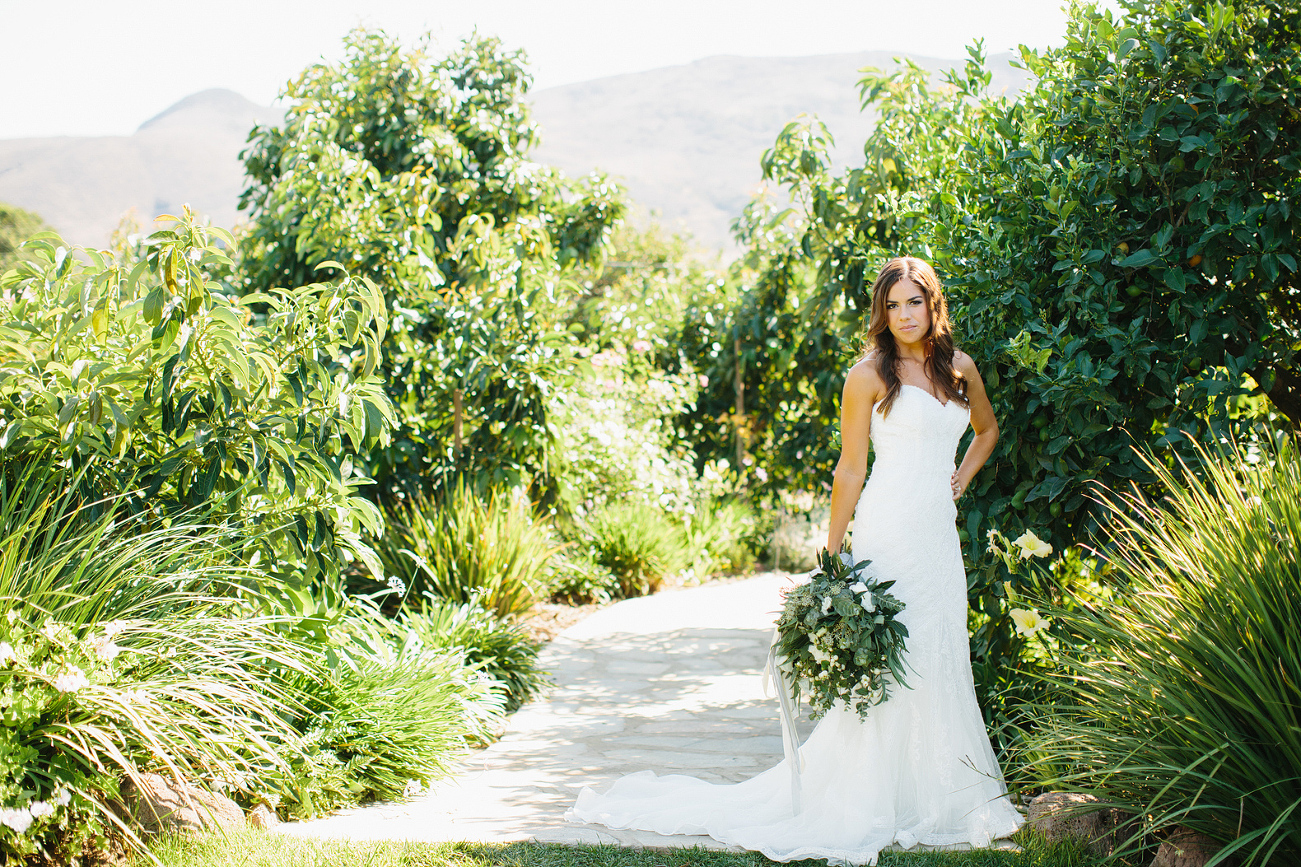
(956, 483)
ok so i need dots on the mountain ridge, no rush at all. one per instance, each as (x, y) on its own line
(685, 140)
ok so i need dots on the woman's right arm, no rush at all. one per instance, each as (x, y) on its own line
(862, 389)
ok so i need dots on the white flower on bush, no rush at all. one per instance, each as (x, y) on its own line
(104, 648)
(17, 819)
(12, 616)
(53, 631)
(826, 604)
(1028, 622)
(7, 654)
(136, 696)
(1032, 546)
(114, 628)
(641, 346)
(63, 798)
(71, 680)
(40, 809)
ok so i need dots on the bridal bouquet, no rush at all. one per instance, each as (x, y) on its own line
(838, 639)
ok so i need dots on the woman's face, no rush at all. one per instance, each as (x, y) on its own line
(909, 316)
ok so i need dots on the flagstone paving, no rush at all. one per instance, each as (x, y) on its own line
(670, 682)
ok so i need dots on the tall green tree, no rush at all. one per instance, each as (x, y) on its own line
(1117, 247)
(412, 170)
(16, 226)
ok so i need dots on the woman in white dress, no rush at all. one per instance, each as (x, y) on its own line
(919, 769)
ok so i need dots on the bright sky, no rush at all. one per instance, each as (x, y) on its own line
(96, 67)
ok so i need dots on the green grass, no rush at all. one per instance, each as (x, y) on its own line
(259, 849)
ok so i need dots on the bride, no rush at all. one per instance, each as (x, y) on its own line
(919, 769)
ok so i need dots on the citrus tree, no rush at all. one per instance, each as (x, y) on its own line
(412, 170)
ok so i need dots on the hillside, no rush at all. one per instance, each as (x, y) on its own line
(685, 140)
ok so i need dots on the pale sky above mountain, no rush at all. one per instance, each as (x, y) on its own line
(90, 67)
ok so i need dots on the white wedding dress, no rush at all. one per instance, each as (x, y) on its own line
(919, 769)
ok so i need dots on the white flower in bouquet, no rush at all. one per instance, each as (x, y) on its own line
(826, 604)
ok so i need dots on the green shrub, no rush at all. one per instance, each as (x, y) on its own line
(177, 397)
(1185, 709)
(412, 169)
(577, 579)
(464, 548)
(122, 651)
(639, 545)
(498, 648)
(385, 724)
(724, 536)
(614, 437)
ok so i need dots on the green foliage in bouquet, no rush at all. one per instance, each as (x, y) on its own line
(839, 638)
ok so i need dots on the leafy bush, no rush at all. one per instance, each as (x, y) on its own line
(412, 169)
(1183, 707)
(491, 551)
(498, 648)
(386, 724)
(16, 226)
(121, 652)
(639, 544)
(577, 579)
(176, 396)
(614, 435)
(723, 536)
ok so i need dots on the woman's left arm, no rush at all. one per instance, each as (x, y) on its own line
(982, 422)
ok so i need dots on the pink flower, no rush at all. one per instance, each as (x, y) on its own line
(641, 346)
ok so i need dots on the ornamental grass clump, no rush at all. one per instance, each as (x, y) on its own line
(464, 548)
(639, 544)
(123, 650)
(500, 649)
(1186, 708)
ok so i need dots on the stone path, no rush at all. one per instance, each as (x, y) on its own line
(671, 682)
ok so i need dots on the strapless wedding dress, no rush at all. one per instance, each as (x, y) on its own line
(919, 769)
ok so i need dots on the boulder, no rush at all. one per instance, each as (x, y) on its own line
(160, 804)
(263, 817)
(1185, 848)
(1062, 815)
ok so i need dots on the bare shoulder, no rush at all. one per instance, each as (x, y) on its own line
(864, 381)
(964, 364)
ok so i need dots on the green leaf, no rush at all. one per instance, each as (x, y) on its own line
(1138, 259)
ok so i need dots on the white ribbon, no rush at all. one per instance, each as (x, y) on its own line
(772, 673)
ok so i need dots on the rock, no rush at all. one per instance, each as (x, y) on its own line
(1061, 815)
(263, 817)
(160, 804)
(1185, 848)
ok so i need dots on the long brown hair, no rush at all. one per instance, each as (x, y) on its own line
(938, 341)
